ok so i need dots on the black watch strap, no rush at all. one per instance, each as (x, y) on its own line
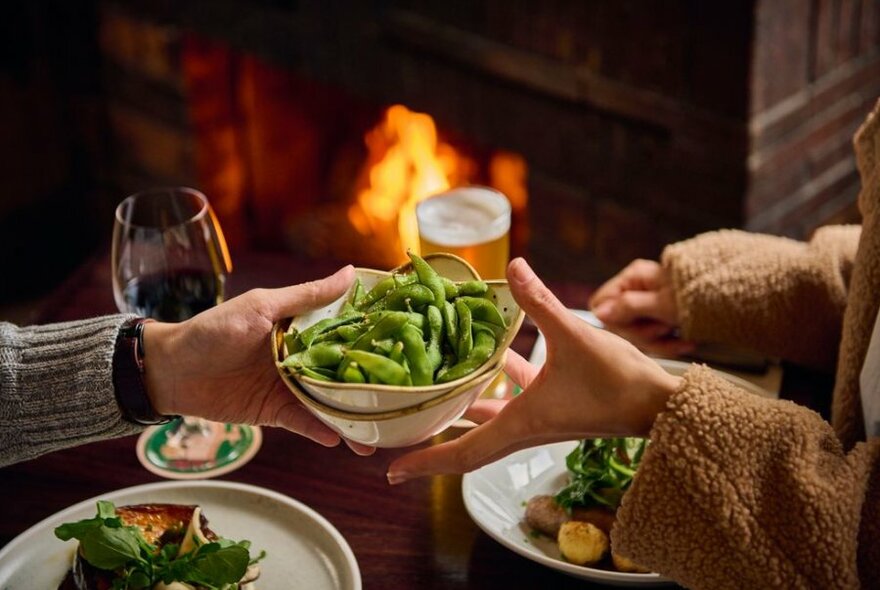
(128, 375)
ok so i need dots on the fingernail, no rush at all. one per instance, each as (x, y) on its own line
(520, 271)
(396, 477)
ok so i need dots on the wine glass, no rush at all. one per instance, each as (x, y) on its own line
(170, 262)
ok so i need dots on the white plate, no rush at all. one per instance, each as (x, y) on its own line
(495, 497)
(303, 549)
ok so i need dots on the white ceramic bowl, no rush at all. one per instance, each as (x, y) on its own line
(396, 428)
(375, 398)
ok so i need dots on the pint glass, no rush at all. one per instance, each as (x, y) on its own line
(472, 222)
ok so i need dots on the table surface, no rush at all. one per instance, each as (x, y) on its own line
(416, 535)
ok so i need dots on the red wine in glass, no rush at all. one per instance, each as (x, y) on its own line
(173, 296)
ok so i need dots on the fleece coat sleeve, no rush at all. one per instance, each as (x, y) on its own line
(775, 295)
(739, 491)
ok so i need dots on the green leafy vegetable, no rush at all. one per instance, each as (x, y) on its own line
(107, 544)
(601, 471)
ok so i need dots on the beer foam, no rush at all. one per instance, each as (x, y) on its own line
(464, 216)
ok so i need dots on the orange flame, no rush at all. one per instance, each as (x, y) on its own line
(406, 164)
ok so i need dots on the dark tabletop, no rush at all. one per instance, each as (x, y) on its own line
(416, 535)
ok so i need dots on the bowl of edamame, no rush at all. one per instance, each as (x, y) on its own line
(403, 427)
(400, 338)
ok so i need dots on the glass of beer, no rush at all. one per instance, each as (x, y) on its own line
(472, 222)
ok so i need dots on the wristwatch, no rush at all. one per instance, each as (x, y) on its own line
(128, 376)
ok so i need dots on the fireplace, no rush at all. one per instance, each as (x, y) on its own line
(614, 128)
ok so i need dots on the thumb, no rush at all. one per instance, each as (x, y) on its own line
(289, 301)
(536, 299)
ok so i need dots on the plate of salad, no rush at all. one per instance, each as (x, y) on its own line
(555, 486)
(292, 545)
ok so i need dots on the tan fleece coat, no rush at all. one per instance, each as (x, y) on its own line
(738, 491)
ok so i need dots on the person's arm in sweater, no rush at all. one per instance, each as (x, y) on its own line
(780, 297)
(739, 491)
(56, 387)
(774, 295)
(56, 380)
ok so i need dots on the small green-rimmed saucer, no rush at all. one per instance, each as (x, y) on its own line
(218, 448)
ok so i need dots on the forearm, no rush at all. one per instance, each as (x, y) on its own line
(56, 387)
(780, 297)
(759, 489)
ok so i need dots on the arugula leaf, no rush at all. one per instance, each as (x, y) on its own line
(220, 566)
(109, 548)
(601, 470)
(77, 530)
(106, 509)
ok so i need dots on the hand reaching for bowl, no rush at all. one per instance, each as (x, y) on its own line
(593, 384)
(217, 365)
(639, 304)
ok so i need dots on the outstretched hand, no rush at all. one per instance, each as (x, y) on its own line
(218, 365)
(593, 383)
(639, 304)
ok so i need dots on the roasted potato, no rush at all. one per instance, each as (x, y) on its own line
(545, 516)
(582, 543)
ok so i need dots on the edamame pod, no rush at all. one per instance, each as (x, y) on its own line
(450, 322)
(382, 287)
(380, 367)
(465, 337)
(351, 332)
(308, 335)
(450, 289)
(352, 374)
(428, 277)
(291, 341)
(313, 374)
(484, 310)
(435, 338)
(473, 288)
(417, 357)
(387, 325)
(319, 355)
(408, 297)
(484, 346)
(357, 294)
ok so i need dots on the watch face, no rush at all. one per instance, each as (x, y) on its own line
(192, 448)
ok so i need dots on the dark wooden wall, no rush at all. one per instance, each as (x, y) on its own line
(631, 115)
(816, 75)
(642, 121)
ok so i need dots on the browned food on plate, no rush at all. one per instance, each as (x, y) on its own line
(600, 517)
(161, 524)
(582, 543)
(545, 516)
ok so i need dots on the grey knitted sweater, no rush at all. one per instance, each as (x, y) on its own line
(56, 387)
